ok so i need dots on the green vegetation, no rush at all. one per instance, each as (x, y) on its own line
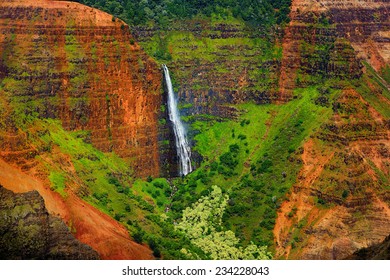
(57, 180)
(141, 12)
(105, 181)
(375, 97)
(254, 157)
(253, 160)
(202, 224)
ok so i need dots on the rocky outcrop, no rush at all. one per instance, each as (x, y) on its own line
(28, 231)
(89, 225)
(67, 61)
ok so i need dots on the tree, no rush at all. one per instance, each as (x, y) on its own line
(202, 224)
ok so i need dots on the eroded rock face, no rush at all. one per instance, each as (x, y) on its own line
(27, 231)
(340, 202)
(364, 25)
(67, 61)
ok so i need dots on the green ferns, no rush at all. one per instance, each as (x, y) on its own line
(202, 224)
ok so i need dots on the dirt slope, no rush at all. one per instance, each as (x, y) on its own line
(105, 235)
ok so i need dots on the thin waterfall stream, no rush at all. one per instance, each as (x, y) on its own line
(182, 148)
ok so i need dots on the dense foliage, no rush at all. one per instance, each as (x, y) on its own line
(138, 12)
(202, 224)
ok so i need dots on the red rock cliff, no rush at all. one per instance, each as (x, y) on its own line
(66, 61)
(90, 72)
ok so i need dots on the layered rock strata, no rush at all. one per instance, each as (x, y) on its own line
(319, 25)
(341, 201)
(67, 61)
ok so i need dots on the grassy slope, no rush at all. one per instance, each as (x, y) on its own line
(265, 163)
(106, 181)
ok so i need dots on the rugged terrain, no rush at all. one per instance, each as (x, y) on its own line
(290, 121)
(340, 202)
(68, 62)
(376, 252)
(79, 65)
(316, 29)
(216, 63)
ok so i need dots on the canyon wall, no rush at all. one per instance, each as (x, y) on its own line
(67, 61)
(365, 26)
(340, 202)
(215, 64)
(70, 69)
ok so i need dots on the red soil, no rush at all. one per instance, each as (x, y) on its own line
(313, 165)
(105, 235)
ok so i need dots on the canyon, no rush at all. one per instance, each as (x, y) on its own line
(291, 121)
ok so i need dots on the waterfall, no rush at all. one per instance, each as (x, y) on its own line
(182, 148)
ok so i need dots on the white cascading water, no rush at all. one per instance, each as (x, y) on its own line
(182, 148)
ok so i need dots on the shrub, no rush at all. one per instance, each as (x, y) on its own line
(214, 166)
(265, 166)
(321, 201)
(227, 159)
(158, 185)
(138, 236)
(234, 148)
(118, 216)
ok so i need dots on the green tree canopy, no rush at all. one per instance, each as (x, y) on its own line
(202, 225)
(138, 12)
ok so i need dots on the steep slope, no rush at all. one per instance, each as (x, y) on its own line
(80, 65)
(71, 75)
(340, 202)
(376, 252)
(29, 232)
(89, 225)
(332, 169)
(306, 173)
(216, 63)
